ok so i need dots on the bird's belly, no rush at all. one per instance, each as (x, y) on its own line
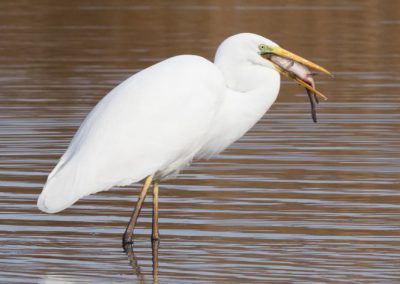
(173, 168)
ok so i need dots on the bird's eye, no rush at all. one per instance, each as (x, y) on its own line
(264, 48)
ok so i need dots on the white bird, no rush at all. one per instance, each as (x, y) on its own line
(157, 121)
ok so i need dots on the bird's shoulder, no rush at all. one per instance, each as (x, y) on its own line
(182, 75)
(189, 60)
(189, 67)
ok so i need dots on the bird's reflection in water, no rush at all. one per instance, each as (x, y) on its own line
(134, 263)
(130, 251)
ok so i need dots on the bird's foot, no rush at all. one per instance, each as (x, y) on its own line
(127, 241)
(127, 245)
(155, 237)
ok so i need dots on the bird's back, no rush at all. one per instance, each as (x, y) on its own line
(152, 123)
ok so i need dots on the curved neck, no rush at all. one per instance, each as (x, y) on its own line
(246, 108)
(245, 74)
(245, 103)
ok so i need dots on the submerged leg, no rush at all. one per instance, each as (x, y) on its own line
(155, 244)
(127, 238)
(154, 234)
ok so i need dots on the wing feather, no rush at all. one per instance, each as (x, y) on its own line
(153, 122)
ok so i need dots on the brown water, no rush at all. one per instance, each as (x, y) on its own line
(291, 202)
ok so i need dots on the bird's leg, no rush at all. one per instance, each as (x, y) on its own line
(127, 238)
(154, 235)
(155, 244)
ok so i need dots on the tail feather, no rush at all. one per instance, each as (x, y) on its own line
(64, 187)
(81, 174)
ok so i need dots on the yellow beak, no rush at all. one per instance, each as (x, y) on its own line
(289, 55)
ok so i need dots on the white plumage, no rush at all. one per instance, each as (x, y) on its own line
(158, 120)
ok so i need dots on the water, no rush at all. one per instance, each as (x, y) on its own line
(292, 201)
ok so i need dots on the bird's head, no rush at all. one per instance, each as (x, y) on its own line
(261, 51)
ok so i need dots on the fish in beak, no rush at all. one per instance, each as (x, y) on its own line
(297, 68)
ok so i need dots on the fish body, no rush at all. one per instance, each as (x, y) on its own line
(298, 70)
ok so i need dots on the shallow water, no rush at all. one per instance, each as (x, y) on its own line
(292, 201)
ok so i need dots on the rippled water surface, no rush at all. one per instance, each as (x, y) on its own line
(291, 202)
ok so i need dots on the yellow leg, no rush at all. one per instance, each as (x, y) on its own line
(127, 238)
(155, 235)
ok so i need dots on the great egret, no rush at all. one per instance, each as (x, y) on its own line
(157, 121)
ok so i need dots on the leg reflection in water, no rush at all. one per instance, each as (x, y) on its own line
(129, 249)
